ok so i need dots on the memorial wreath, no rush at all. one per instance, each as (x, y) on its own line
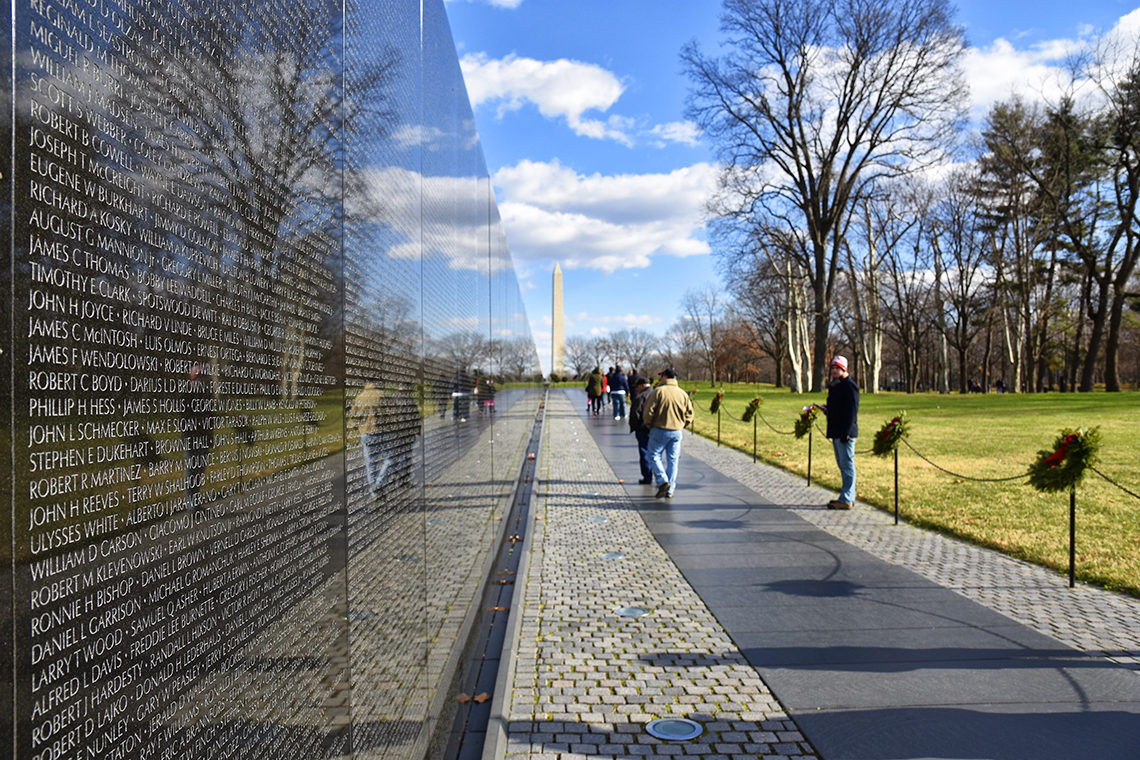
(1062, 468)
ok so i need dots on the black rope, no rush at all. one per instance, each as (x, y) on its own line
(824, 434)
(1110, 480)
(729, 414)
(959, 475)
(774, 430)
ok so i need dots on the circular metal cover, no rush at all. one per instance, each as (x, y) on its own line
(633, 612)
(674, 729)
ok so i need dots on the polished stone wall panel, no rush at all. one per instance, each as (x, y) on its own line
(261, 312)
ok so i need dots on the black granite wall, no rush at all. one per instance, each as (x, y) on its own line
(263, 415)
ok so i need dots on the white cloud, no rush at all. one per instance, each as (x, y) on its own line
(676, 132)
(1039, 73)
(603, 222)
(996, 72)
(622, 320)
(560, 89)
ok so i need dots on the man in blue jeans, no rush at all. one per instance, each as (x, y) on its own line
(667, 411)
(842, 410)
(619, 387)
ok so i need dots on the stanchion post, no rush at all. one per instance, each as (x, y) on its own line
(1072, 536)
(753, 439)
(718, 427)
(809, 456)
(896, 485)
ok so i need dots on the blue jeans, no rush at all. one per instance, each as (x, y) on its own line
(619, 404)
(376, 462)
(664, 451)
(642, 436)
(845, 458)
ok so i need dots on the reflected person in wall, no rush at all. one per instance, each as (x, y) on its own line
(197, 434)
(402, 425)
(366, 415)
(461, 389)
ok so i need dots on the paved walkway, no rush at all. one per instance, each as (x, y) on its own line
(864, 632)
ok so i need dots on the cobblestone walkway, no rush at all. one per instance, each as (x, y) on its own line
(587, 678)
(1086, 618)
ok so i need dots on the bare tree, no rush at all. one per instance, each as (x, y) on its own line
(959, 240)
(464, 351)
(681, 350)
(517, 358)
(814, 100)
(758, 289)
(600, 351)
(704, 310)
(634, 346)
(579, 356)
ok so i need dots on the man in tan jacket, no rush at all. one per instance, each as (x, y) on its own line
(666, 413)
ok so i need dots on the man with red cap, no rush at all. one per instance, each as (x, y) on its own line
(842, 410)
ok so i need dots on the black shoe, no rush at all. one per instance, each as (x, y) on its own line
(836, 504)
(662, 491)
(645, 481)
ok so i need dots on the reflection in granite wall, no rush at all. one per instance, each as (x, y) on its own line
(265, 349)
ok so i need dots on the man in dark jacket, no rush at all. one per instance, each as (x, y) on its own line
(842, 410)
(639, 429)
(618, 388)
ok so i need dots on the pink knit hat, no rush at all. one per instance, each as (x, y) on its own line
(841, 362)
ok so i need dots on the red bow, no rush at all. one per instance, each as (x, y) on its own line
(1058, 456)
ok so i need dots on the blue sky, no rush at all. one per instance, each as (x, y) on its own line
(580, 109)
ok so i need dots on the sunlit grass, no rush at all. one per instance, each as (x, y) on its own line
(976, 436)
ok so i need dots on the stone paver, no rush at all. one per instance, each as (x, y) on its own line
(1086, 618)
(588, 679)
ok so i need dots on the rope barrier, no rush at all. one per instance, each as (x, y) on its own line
(1110, 480)
(822, 432)
(774, 430)
(959, 475)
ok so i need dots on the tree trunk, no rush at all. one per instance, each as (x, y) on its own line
(1098, 319)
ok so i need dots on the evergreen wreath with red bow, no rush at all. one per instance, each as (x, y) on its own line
(751, 409)
(715, 403)
(806, 420)
(1063, 468)
(890, 435)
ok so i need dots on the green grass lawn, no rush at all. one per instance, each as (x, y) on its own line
(976, 436)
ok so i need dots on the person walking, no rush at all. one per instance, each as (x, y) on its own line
(619, 387)
(637, 426)
(667, 411)
(595, 387)
(366, 415)
(842, 410)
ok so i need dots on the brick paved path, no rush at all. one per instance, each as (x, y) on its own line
(587, 680)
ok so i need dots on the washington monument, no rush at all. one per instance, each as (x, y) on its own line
(558, 342)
